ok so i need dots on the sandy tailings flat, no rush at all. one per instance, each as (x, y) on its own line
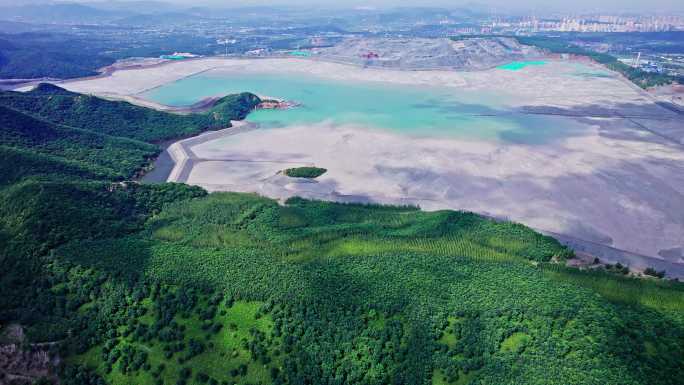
(621, 192)
(618, 181)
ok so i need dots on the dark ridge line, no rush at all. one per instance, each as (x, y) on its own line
(674, 141)
(671, 106)
(247, 160)
(615, 115)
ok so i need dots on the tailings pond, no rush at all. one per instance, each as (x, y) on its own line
(414, 110)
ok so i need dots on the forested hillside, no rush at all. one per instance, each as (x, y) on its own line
(166, 284)
(61, 179)
(124, 119)
(43, 54)
(109, 156)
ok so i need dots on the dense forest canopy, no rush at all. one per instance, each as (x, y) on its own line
(123, 119)
(63, 55)
(132, 283)
(37, 55)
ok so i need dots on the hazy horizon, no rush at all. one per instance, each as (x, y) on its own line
(541, 6)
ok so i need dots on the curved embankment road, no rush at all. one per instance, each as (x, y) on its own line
(183, 157)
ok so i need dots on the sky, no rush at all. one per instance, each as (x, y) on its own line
(573, 5)
(615, 6)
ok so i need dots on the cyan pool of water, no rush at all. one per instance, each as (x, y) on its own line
(413, 110)
(518, 65)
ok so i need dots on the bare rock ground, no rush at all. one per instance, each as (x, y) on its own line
(21, 363)
(422, 54)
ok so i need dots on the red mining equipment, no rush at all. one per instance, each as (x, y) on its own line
(370, 55)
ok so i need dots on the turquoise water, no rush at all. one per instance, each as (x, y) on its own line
(172, 57)
(413, 110)
(300, 53)
(518, 65)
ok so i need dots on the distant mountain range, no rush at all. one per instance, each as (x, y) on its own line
(61, 13)
(47, 12)
(150, 12)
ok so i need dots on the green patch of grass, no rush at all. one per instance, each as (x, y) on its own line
(438, 378)
(451, 246)
(228, 351)
(169, 233)
(244, 315)
(448, 337)
(223, 351)
(515, 342)
(465, 378)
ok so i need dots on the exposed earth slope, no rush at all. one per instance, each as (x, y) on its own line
(422, 54)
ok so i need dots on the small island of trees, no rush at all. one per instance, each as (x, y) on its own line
(305, 172)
